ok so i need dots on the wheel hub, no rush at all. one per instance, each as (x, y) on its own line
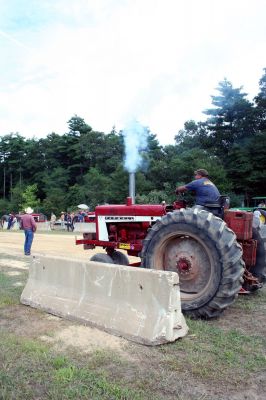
(187, 256)
(183, 266)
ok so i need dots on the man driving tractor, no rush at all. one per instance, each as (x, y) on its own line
(206, 191)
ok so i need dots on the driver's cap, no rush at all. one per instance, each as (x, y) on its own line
(202, 172)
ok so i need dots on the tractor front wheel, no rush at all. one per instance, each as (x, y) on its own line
(119, 258)
(204, 252)
(102, 257)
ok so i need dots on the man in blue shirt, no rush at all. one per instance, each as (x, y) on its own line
(206, 191)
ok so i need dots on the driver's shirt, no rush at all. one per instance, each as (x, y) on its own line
(206, 191)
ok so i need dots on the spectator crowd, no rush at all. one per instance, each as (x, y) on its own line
(66, 220)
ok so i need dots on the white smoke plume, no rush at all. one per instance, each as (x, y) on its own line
(135, 141)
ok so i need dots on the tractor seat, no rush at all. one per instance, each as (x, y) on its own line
(213, 205)
(218, 208)
(215, 208)
(223, 201)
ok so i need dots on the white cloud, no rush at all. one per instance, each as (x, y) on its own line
(158, 61)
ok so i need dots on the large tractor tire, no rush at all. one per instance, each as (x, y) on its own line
(259, 270)
(204, 252)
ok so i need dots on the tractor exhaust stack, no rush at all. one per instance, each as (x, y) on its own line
(132, 186)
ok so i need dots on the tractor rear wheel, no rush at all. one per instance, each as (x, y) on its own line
(259, 270)
(102, 257)
(204, 252)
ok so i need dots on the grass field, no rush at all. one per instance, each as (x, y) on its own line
(221, 359)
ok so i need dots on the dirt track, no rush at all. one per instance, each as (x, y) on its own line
(54, 243)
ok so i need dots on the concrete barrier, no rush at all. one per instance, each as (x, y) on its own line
(85, 227)
(59, 226)
(43, 226)
(15, 226)
(139, 304)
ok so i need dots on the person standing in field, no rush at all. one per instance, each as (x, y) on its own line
(62, 219)
(10, 221)
(28, 224)
(52, 220)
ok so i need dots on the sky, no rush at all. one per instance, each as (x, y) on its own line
(109, 61)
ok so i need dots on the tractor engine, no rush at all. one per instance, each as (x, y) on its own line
(128, 232)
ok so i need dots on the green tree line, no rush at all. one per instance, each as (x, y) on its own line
(87, 166)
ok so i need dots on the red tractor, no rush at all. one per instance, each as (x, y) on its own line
(216, 252)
